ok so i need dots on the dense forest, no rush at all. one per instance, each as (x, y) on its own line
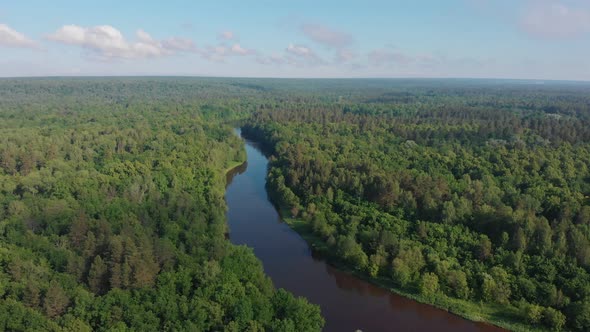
(112, 214)
(472, 195)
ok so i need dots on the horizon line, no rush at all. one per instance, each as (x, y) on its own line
(539, 80)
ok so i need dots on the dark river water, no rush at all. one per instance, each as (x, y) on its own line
(347, 303)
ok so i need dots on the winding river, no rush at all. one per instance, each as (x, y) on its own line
(347, 303)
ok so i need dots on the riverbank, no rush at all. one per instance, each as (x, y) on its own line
(347, 302)
(493, 314)
(489, 314)
(233, 165)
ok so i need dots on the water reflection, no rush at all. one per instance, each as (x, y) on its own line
(240, 169)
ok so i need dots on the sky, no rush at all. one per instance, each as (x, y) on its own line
(523, 39)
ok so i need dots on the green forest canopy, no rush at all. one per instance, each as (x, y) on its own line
(112, 213)
(470, 190)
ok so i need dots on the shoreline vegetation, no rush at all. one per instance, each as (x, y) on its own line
(494, 314)
(232, 166)
(486, 313)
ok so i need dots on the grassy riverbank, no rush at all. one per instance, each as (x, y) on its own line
(234, 164)
(495, 314)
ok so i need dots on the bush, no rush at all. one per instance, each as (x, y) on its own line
(553, 319)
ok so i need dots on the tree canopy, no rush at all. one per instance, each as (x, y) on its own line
(112, 214)
(449, 189)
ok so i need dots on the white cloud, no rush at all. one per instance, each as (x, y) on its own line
(300, 55)
(179, 44)
(326, 36)
(227, 35)
(273, 59)
(554, 19)
(300, 50)
(12, 38)
(239, 50)
(332, 39)
(345, 55)
(386, 56)
(220, 52)
(108, 42)
(215, 53)
(394, 61)
(390, 55)
(144, 37)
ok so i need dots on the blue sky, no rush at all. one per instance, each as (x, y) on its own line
(536, 39)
